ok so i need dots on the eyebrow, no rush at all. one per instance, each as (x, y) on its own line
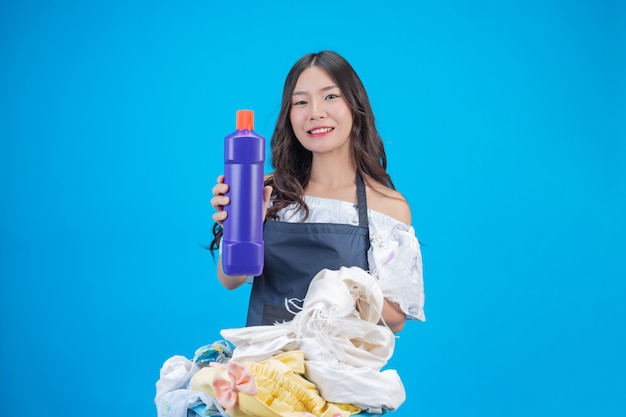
(300, 93)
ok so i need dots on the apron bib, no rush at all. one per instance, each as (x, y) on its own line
(296, 252)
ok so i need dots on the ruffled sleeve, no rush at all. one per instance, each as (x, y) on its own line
(395, 260)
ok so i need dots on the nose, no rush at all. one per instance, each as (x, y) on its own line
(317, 109)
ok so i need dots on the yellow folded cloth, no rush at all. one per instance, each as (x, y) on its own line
(281, 390)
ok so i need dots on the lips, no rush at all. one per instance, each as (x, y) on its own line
(320, 130)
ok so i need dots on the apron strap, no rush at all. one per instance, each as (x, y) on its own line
(361, 201)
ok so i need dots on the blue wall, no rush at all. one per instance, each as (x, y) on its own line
(505, 127)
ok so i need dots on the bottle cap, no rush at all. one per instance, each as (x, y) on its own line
(245, 120)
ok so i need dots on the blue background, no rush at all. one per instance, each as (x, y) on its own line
(505, 128)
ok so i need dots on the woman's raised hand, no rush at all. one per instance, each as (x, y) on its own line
(219, 200)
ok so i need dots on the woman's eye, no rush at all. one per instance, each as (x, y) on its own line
(299, 103)
(331, 96)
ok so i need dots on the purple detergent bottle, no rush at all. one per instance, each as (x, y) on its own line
(244, 162)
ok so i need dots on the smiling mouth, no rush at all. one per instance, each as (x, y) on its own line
(320, 130)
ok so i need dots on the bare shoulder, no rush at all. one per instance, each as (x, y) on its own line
(388, 202)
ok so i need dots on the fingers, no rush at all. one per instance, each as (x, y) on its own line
(219, 217)
(267, 193)
(220, 188)
(219, 200)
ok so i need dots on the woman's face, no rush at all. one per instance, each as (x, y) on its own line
(320, 116)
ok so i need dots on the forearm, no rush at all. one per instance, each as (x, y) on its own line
(393, 316)
(229, 281)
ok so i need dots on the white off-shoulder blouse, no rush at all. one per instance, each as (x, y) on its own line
(394, 257)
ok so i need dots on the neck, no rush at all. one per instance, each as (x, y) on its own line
(331, 173)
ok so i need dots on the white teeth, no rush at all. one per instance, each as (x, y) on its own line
(321, 130)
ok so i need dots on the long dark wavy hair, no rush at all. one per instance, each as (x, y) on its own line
(292, 162)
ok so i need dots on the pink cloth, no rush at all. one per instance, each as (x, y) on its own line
(239, 380)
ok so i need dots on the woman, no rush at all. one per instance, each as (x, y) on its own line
(330, 201)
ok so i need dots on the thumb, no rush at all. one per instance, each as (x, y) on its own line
(267, 193)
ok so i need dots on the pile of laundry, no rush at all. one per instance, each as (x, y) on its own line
(326, 362)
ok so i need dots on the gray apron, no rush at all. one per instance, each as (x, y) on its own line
(296, 252)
